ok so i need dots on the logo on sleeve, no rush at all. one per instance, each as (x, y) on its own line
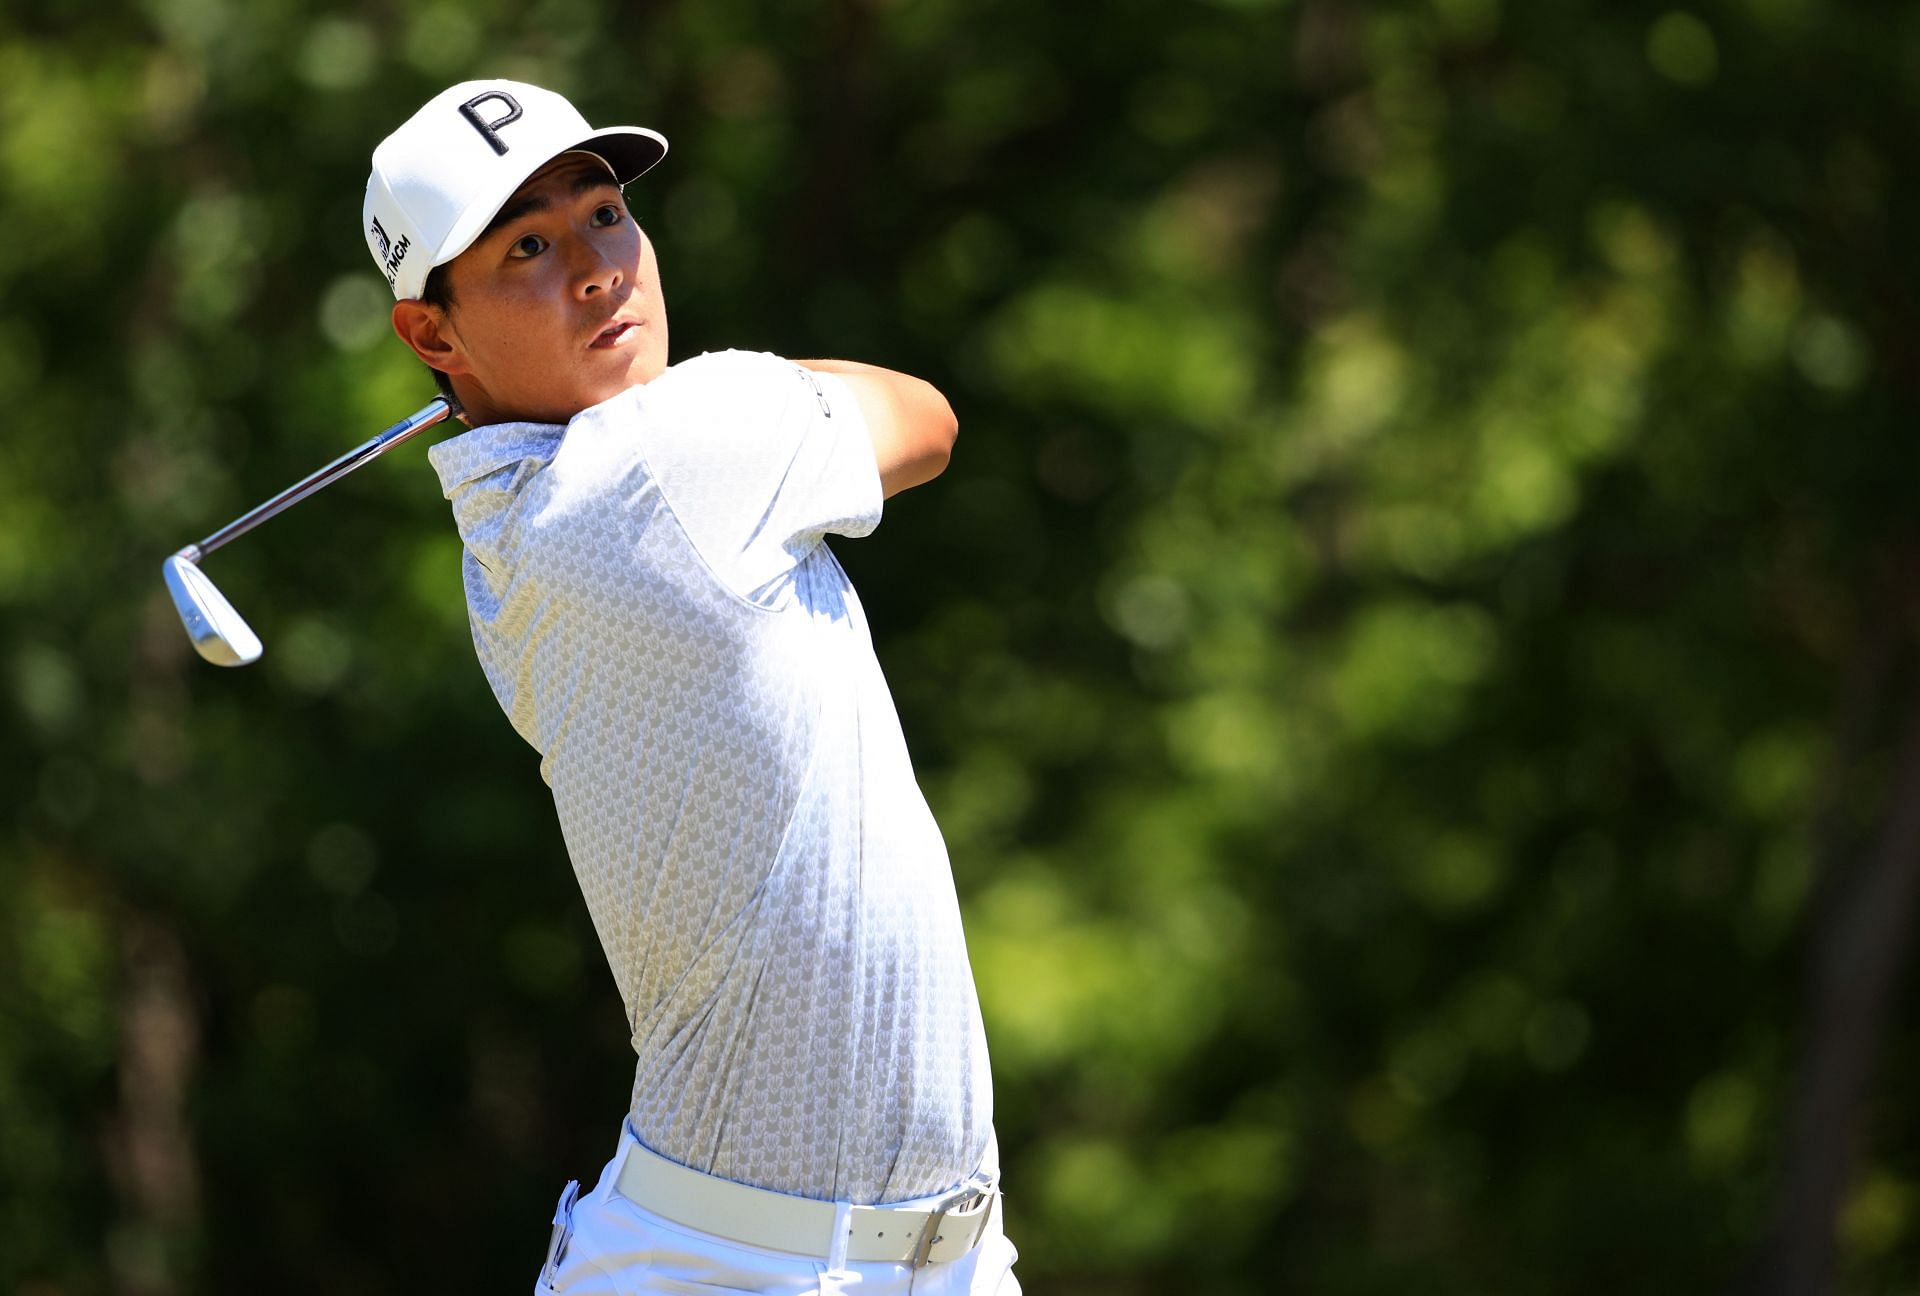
(819, 393)
(490, 130)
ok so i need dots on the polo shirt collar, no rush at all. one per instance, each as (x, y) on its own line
(482, 450)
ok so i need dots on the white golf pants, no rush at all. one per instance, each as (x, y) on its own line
(605, 1245)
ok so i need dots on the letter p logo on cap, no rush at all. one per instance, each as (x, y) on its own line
(489, 130)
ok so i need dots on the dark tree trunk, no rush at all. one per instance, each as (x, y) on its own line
(150, 1145)
(1856, 950)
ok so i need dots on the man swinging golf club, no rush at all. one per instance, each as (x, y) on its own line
(655, 609)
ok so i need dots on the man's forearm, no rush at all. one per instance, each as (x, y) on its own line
(842, 367)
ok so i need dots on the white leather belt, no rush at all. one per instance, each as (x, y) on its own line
(925, 1233)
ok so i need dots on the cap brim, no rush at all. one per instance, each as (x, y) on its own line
(629, 150)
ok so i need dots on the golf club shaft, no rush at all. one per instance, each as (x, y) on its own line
(434, 411)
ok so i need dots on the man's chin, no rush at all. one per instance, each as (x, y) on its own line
(635, 374)
(559, 407)
(629, 366)
(647, 362)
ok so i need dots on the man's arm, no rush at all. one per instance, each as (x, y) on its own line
(912, 425)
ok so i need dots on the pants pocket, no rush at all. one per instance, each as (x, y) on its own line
(562, 1234)
(993, 1266)
(993, 1276)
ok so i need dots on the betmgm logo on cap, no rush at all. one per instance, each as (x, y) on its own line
(438, 181)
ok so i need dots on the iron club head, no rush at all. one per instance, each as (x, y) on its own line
(218, 632)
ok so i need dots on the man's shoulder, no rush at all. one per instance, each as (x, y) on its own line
(724, 369)
(715, 389)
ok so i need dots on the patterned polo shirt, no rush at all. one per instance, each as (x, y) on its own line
(655, 609)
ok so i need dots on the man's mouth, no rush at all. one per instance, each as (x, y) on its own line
(612, 335)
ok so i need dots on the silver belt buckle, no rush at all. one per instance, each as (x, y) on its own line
(965, 1195)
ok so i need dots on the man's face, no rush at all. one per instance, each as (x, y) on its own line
(557, 306)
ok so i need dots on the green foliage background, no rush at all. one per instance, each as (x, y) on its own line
(1425, 591)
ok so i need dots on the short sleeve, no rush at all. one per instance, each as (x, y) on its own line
(759, 458)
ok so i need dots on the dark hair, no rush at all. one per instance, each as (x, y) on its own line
(438, 291)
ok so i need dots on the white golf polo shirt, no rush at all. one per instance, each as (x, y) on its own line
(656, 612)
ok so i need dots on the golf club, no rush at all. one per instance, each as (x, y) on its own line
(218, 632)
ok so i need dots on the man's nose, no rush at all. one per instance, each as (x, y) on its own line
(595, 271)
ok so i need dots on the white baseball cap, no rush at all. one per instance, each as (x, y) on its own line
(438, 181)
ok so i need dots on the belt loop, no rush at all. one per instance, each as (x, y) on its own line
(621, 1151)
(842, 1231)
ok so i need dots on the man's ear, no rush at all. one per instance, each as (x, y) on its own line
(433, 338)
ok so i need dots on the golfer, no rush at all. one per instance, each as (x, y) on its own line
(655, 609)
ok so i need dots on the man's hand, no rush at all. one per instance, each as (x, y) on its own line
(912, 425)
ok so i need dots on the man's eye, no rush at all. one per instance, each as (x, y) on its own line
(527, 245)
(607, 214)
